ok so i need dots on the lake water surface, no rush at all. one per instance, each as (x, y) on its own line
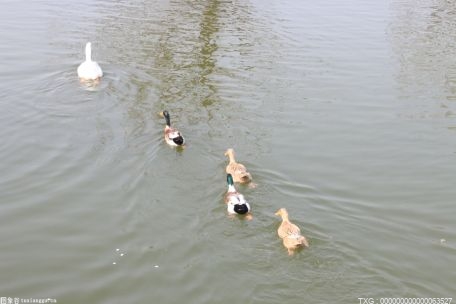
(343, 111)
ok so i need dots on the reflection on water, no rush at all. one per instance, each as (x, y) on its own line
(422, 35)
(206, 62)
(183, 50)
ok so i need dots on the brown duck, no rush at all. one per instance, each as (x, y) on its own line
(290, 233)
(237, 170)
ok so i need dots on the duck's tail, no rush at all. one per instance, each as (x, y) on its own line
(247, 177)
(297, 241)
(241, 208)
(303, 241)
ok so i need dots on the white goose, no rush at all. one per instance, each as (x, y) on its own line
(89, 70)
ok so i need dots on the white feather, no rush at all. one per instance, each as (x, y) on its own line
(237, 199)
(89, 70)
(174, 134)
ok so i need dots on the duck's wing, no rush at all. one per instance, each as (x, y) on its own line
(239, 172)
(288, 229)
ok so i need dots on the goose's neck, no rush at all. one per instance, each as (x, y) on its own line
(88, 52)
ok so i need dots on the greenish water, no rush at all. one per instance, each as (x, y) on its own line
(344, 113)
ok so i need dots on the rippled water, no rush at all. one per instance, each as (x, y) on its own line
(343, 112)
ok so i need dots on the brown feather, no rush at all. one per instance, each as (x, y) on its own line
(237, 170)
(290, 233)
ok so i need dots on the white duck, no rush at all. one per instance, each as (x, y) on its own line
(89, 70)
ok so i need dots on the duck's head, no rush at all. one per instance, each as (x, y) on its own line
(229, 179)
(229, 152)
(282, 212)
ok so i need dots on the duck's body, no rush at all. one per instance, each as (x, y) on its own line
(235, 201)
(290, 233)
(172, 136)
(237, 170)
(89, 70)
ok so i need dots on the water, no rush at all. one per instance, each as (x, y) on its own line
(344, 113)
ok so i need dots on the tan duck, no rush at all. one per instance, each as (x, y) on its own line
(237, 170)
(172, 136)
(290, 233)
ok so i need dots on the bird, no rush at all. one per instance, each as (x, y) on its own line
(290, 233)
(89, 70)
(172, 136)
(235, 201)
(237, 170)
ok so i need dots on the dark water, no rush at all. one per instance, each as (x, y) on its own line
(344, 113)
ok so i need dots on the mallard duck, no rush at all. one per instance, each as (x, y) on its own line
(235, 201)
(290, 233)
(237, 170)
(89, 70)
(172, 136)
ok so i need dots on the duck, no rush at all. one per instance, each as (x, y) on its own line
(290, 233)
(235, 201)
(172, 136)
(89, 70)
(237, 170)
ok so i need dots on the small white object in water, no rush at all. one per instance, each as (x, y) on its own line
(442, 241)
(122, 254)
(156, 266)
(117, 249)
(114, 263)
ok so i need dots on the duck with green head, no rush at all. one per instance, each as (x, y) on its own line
(172, 136)
(235, 201)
